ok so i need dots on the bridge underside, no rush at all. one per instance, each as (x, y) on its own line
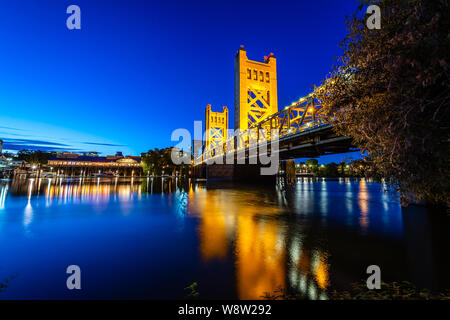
(242, 173)
(314, 143)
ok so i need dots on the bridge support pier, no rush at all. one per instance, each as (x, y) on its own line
(199, 172)
(219, 172)
(251, 173)
(242, 173)
(288, 169)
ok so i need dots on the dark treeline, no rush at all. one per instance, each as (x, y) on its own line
(355, 168)
(37, 157)
(158, 162)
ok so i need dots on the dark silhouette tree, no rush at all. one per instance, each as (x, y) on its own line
(34, 157)
(390, 92)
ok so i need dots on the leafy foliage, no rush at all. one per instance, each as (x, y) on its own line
(35, 157)
(390, 92)
(329, 170)
(312, 162)
(159, 161)
(193, 292)
(403, 290)
(356, 168)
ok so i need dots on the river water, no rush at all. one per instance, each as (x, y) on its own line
(151, 238)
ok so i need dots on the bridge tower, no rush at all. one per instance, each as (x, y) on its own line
(255, 92)
(216, 127)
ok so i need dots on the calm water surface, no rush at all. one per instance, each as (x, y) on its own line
(151, 238)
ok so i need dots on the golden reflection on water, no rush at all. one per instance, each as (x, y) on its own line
(213, 238)
(260, 258)
(241, 222)
(321, 273)
(79, 191)
(259, 247)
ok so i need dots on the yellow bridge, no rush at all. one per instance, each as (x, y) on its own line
(301, 129)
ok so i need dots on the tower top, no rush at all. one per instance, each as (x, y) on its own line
(267, 58)
(255, 90)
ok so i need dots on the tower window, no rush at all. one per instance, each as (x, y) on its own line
(249, 73)
(267, 77)
(255, 74)
(261, 76)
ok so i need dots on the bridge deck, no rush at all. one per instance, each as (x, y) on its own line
(321, 140)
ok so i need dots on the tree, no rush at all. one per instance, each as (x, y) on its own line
(390, 92)
(312, 163)
(154, 161)
(159, 161)
(341, 168)
(34, 157)
(331, 170)
(313, 166)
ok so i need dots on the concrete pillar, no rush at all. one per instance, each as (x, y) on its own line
(242, 173)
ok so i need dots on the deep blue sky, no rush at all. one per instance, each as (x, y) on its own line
(137, 70)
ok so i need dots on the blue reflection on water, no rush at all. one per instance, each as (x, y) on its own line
(150, 238)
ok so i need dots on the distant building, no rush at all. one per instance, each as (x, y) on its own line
(71, 164)
(67, 155)
(1, 146)
(92, 154)
(7, 165)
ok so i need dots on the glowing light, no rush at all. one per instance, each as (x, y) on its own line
(322, 275)
(3, 193)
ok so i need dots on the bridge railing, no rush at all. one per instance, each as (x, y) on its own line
(302, 115)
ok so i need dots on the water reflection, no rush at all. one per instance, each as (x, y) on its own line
(29, 209)
(363, 202)
(63, 191)
(3, 192)
(310, 240)
(265, 249)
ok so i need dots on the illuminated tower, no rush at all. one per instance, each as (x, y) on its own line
(255, 93)
(216, 127)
